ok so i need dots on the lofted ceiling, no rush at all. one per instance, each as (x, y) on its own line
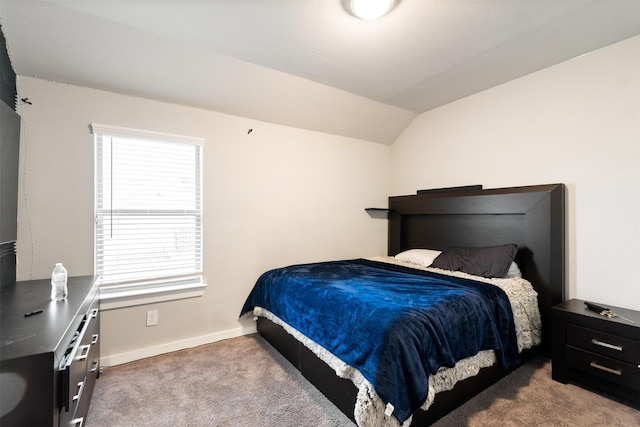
(306, 63)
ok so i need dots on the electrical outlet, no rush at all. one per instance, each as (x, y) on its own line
(152, 317)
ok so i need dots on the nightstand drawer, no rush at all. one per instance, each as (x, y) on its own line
(609, 345)
(611, 370)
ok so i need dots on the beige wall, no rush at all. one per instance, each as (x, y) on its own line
(577, 123)
(276, 196)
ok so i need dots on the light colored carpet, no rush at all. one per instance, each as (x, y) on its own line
(244, 382)
(237, 382)
(529, 397)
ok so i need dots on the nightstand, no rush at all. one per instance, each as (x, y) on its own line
(601, 352)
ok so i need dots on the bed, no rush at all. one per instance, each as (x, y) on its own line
(530, 219)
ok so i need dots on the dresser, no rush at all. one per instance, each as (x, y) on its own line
(601, 352)
(49, 354)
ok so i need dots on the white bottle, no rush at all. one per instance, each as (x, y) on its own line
(59, 283)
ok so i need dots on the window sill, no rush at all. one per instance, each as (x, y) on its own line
(120, 296)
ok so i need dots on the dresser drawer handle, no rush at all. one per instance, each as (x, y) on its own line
(77, 422)
(607, 345)
(94, 339)
(84, 352)
(604, 368)
(80, 388)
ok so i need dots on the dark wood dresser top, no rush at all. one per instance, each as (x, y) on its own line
(44, 332)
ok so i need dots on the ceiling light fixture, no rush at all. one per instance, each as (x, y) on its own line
(369, 9)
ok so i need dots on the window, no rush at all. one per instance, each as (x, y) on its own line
(148, 206)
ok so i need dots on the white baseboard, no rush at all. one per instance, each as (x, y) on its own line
(118, 359)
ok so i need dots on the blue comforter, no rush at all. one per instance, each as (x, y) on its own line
(396, 325)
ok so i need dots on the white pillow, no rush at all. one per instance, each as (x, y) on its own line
(422, 257)
(514, 271)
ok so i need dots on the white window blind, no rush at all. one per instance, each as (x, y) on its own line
(148, 207)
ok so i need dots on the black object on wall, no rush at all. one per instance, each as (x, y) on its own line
(9, 156)
(8, 90)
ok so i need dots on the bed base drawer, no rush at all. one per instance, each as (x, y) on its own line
(343, 393)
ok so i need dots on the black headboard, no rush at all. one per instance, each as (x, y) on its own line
(533, 217)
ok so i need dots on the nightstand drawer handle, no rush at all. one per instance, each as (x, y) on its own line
(607, 345)
(604, 368)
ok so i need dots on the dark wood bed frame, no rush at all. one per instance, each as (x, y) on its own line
(533, 217)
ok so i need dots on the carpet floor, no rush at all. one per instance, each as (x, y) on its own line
(244, 382)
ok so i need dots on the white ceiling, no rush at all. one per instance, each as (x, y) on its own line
(306, 63)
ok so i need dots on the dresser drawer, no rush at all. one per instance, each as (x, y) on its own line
(75, 418)
(74, 376)
(82, 410)
(77, 363)
(609, 345)
(604, 368)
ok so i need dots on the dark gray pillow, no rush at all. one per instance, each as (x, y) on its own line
(491, 261)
